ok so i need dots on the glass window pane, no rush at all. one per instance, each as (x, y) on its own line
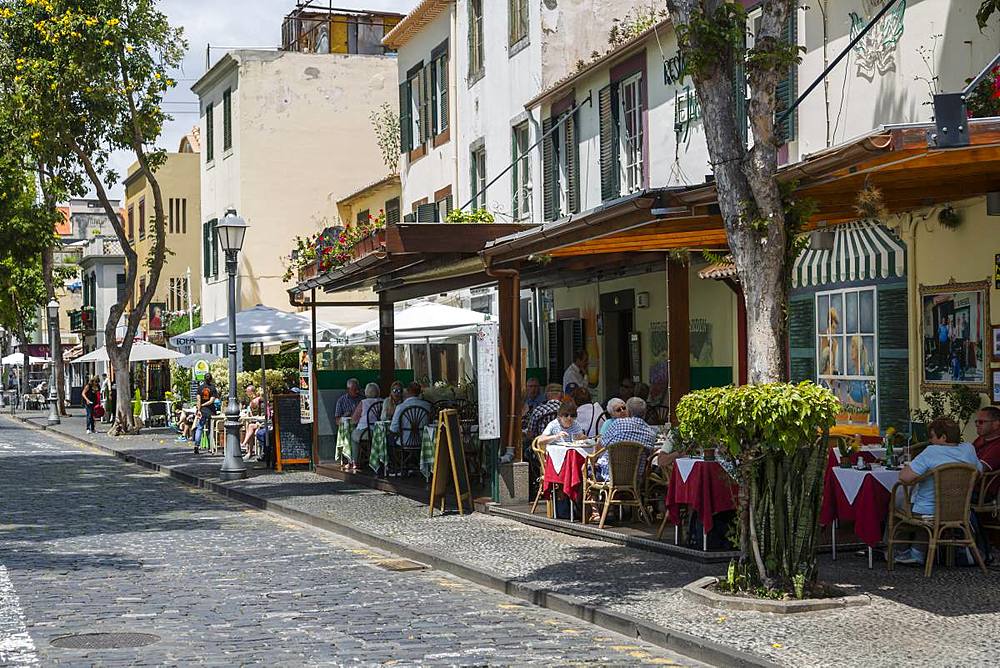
(836, 322)
(822, 312)
(851, 306)
(866, 308)
(831, 356)
(868, 357)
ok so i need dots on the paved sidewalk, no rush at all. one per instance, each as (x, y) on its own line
(949, 619)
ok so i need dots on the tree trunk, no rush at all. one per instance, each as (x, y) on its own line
(124, 420)
(55, 343)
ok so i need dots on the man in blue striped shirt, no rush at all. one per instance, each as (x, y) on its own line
(631, 428)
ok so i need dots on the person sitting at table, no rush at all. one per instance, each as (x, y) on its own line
(945, 448)
(565, 427)
(394, 399)
(541, 416)
(987, 443)
(533, 396)
(413, 392)
(254, 404)
(349, 400)
(616, 409)
(588, 412)
(360, 418)
(633, 428)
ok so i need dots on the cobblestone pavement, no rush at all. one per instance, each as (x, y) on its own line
(950, 619)
(89, 544)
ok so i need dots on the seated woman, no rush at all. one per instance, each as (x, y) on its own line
(360, 418)
(564, 428)
(254, 407)
(616, 410)
(589, 413)
(394, 399)
(945, 448)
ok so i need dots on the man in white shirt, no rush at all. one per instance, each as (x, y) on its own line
(576, 373)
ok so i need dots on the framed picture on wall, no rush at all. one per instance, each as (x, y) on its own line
(996, 343)
(996, 386)
(956, 345)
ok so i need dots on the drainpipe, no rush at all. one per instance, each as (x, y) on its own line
(453, 98)
(509, 358)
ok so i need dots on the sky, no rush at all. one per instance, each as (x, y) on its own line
(224, 23)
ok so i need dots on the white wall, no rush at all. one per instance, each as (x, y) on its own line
(435, 170)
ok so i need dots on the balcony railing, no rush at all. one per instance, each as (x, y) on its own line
(314, 28)
(103, 246)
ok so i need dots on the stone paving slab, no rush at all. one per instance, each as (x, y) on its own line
(89, 544)
(948, 619)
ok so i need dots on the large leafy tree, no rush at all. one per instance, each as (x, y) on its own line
(88, 77)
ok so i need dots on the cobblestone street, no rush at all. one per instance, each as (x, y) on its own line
(92, 545)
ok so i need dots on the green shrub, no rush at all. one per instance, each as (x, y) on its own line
(772, 433)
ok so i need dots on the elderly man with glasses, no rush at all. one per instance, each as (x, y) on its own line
(987, 443)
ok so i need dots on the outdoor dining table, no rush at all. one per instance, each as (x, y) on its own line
(564, 466)
(379, 456)
(862, 497)
(344, 429)
(704, 486)
(870, 454)
(145, 406)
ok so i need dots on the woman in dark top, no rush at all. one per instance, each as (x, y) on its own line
(91, 398)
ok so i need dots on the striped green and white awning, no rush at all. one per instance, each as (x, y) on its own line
(862, 251)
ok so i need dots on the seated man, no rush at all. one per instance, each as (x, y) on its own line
(987, 443)
(396, 427)
(539, 417)
(360, 419)
(945, 448)
(630, 428)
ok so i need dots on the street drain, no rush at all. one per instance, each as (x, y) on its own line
(400, 565)
(105, 640)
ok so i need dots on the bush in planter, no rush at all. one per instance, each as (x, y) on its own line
(770, 432)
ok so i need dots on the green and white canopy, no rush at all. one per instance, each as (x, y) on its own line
(862, 251)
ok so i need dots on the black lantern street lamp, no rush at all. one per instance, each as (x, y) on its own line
(53, 313)
(231, 231)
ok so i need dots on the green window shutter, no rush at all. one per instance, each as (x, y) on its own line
(740, 88)
(206, 258)
(788, 88)
(426, 104)
(209, 133)
(442, 71)
(392, 211)
(607, 105)
(215, 248)
(555, 373)
(405, 120)
(802, 338)
(893, 392)
(449, 204)
(513, 174)
(473, 181)
(549, 167)
(227, 120)
(572, 164)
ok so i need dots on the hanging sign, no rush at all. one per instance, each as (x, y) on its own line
(200, 370)
(488, 379)
(305, 383)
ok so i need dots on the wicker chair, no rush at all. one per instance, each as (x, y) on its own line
(986, 500)
(953, 486)
(539, 451)
(623, 462)
(654, 484)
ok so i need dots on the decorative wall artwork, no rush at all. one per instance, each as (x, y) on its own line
(875, 53)
(996, 387)
(702, 353)
(954, 336)
(996, 343)
(156, 311)
(658, 354)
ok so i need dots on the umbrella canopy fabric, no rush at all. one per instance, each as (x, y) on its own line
(18, 359)
(260, 324)
(188, 361)
(421, 321)
(141, 352)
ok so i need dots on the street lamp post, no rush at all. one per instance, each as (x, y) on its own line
(231, 231)
(53, 313)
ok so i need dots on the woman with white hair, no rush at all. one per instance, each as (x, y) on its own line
(360, 418)
(616, 409)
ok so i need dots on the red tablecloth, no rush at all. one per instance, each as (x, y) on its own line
(570, 476)
(709, 489)
(834, 459)
(868, 511)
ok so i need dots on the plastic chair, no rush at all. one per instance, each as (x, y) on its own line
(953, 486)
(623, 463)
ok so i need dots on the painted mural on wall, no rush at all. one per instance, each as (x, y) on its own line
(955, 321)
(658, 363)
(702, 349)
(846, 351)
(589, 316)
(875, 53)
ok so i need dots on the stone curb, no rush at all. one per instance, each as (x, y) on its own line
(692, 646)
(698, 591)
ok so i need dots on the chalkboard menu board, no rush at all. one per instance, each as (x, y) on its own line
(449, 463)
(293, 439)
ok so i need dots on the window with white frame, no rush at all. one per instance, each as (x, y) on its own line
(478, 180)
(521, 173)
(846, 350)
(439, 92)
(562, 148)
(630, 133)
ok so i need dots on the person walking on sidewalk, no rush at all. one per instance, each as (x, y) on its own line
(91, 398)
(207, 394)
(106, 393)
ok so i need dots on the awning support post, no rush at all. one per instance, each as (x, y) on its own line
(678, 333)
(386, 344)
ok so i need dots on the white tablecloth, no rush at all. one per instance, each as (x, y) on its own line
(850, 480)
(557, 453)
(684, 466)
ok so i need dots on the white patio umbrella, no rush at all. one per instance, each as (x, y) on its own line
(260, 324)
(188, 361)
(141, 352)
(17, 359)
